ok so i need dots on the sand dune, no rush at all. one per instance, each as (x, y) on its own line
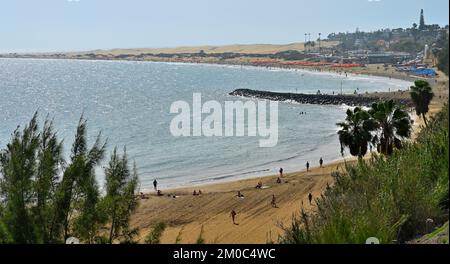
(237, 48)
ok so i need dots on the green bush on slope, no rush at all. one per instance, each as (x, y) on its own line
(386, 197)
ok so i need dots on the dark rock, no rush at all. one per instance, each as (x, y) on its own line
(320, 99)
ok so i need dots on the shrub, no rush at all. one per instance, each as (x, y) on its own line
(388, 197)
(155, 236)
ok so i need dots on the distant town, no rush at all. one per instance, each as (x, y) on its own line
(416, 50)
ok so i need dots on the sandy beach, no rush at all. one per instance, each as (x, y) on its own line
(258, 221)
(187, 216)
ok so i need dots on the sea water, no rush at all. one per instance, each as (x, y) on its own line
(129, 102)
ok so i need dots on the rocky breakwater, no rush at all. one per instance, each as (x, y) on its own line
(320, 99)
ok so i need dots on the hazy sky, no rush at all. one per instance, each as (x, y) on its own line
(65, 25)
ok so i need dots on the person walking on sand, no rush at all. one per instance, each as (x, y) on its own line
(310, 198)
(274, 201)
(233, 216)
(155, 185)
(321, 162)
(307, 166)
(281, 172)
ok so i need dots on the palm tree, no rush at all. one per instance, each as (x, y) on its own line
(356, 131)
(306, 42)
(421, 96)
(394, 125)
(320, 35)
(414, 32)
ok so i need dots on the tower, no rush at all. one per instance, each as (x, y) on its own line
(422, 21)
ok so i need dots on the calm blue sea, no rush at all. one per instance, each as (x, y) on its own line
(129, 103)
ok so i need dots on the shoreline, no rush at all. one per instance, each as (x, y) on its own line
(187, 216)
(241, 175)
(354, 71)
(225, 184)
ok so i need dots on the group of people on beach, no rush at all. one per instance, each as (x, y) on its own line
(155, 186)
(233, 213)
(273, 202)
(195, 193)
(144, 196)
(320, 164)
(159, 192)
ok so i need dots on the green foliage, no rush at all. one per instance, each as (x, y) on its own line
(386, 124)
(437, 231)
(356, 131)
(45, 200)
(421, 95)
(155, 236)
(5, 236)
(120, 201)
(443, 58)
(79, 192)
(18, 163)
(393, 125)
(87, 224)
(200, 239)
(388, 197)
(407, 45)
(289, 55)
(50, 162)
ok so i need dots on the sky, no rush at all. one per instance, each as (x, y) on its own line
(79, 25)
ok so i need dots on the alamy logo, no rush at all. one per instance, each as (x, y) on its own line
(226, 121)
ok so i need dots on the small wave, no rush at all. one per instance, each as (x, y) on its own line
(228, 176)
